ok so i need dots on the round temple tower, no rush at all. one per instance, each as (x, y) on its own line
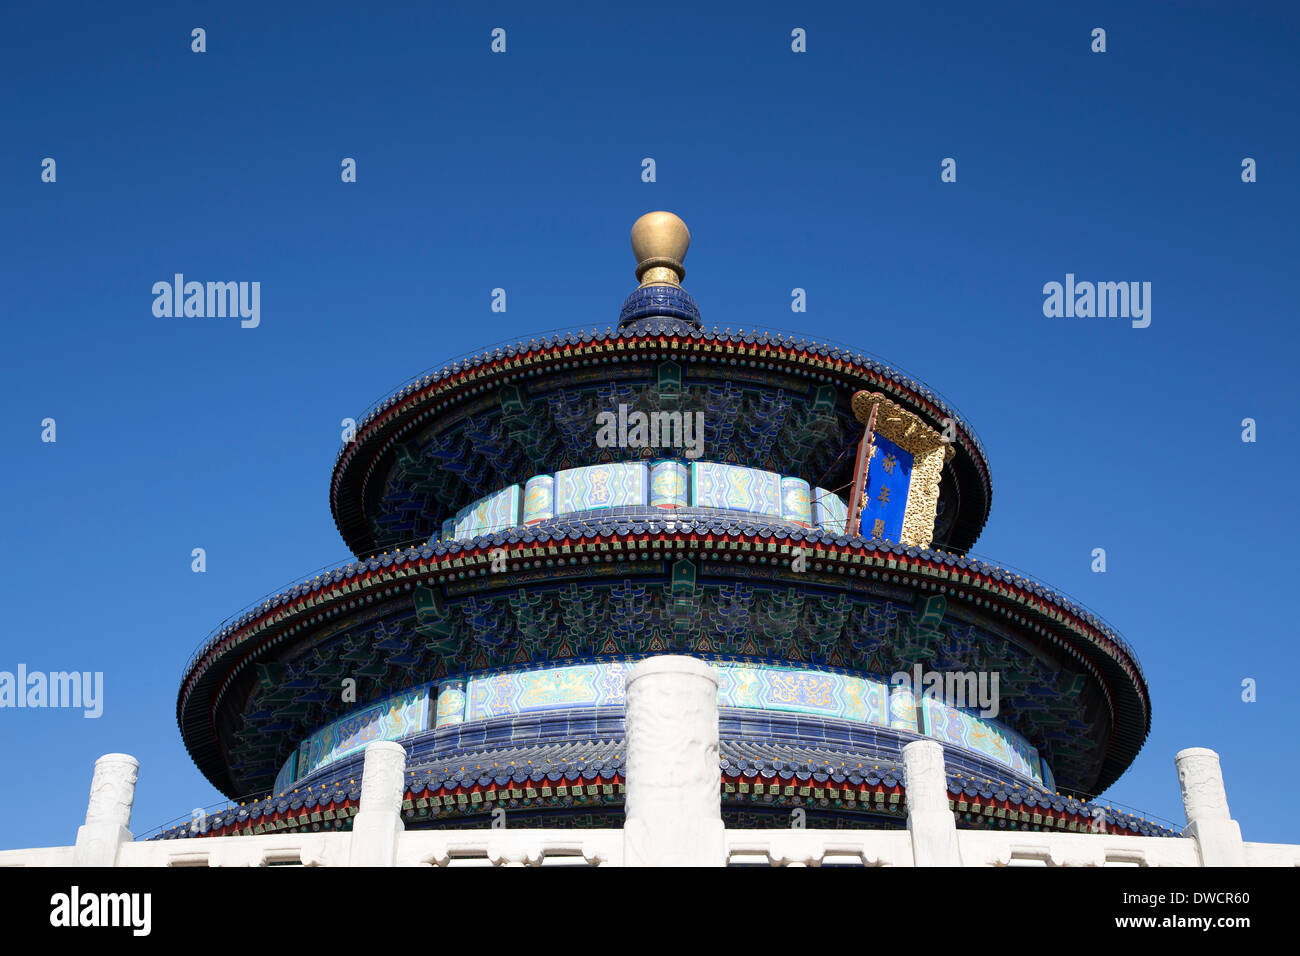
(530, 522)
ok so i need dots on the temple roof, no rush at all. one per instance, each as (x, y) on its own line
(593, 525)
(659, 309)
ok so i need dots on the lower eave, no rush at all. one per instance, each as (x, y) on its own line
(1047, 615)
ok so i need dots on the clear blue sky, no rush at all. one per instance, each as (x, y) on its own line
(523, 171)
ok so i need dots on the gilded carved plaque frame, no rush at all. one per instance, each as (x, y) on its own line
(929, 454)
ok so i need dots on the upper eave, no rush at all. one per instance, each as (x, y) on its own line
(435, 394)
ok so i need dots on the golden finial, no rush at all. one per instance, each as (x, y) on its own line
(659, 242)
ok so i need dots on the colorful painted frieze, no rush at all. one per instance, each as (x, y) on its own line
(661, 484)
(451, 704)
(669, 484)
(796, 503)
(902, 707)
(795, 690)
(552, 688)
(397, 717)
(494, 513)
(859, 699)
(621, 484)
(983, 735)
(734, 488)
(539, 499)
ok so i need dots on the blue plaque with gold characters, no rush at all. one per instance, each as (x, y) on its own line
(889, 476)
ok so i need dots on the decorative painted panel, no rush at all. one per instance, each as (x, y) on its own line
(392, 719)
(493, 513)
(620, 484)
(669, 484)
(967, 729)
(859, 699)
(663, 484)
(902, 707)
(756, 687)
(735, 488)
(521, 692)
(799, 691)
(539, 499)
(796, 505)
(829, 511)
(451, 704)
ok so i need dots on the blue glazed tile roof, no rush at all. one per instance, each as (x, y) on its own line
(657, 309)
(573, 762)
(268, 620)
(595, 525)
(650, 325)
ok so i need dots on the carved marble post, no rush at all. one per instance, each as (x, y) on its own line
(378, 824)
(929, 818)
(674, 801)
(108, 815)
(1217, 835)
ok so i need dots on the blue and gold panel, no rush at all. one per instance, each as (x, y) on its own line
(487, 515)
(552, 688)
(735, 488)
(539, 499)
(662, 484)
(889, 475)
(968, 729)
(669, 484)
(856, 698)
(740, 685)
(796, 505)
(621, 484)
(902, 707)
(451, 704)
(799, 691)
(829, 511)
